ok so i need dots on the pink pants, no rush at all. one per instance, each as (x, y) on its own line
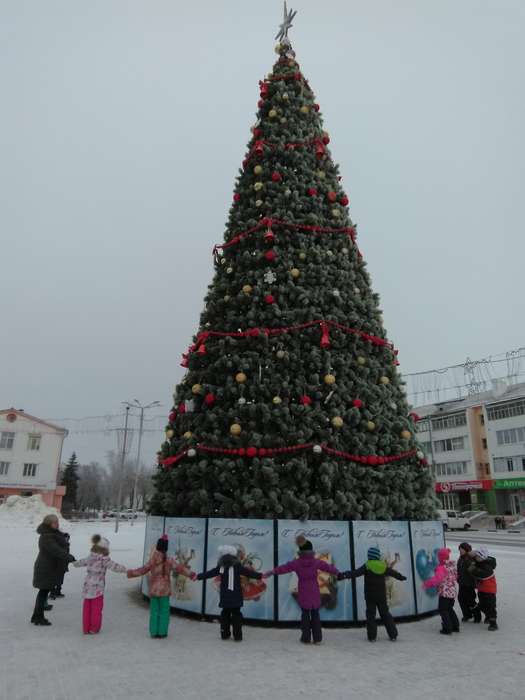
(92, 614)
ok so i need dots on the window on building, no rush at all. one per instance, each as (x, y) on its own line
(510, 436)
(451, 469)
(4, 468)
(484, 443)
(426, 447)
(30, 469)
(506, 410)
(6, 441)
(454, 421)
(482, 418)
(509, 464)
(450, 444)
(33, 442)
(423, 426)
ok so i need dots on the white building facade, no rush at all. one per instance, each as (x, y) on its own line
(30, 455)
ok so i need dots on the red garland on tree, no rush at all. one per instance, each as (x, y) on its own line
(269, 237)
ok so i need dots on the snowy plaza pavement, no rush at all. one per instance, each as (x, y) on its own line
(60, 663)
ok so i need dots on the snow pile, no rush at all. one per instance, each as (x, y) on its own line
(25, 510)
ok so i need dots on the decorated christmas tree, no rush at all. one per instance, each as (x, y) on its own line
(292, 405)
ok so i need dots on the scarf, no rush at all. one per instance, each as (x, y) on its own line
(231, 575)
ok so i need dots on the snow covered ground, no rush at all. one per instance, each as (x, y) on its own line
(60, 663)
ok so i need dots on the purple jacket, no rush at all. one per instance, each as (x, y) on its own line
(306, 568)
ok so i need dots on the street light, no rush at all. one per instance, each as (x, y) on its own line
(136, 404)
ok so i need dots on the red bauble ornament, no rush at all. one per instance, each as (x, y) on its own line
(251, 452)
(270, 255)
(357, 403)
(344, 200)
(269, 299)
(172, 416)
(260, 103)
(332, 196)
(316, 107)
(414, 417)
(269, 237)
(305, 400)
(312, 191)
(276, 177)
(236, 197)
(256, 132)
(182, 408)
(210, 399)
(325, 139)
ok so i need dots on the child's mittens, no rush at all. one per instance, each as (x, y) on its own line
(340, 576)
(129, 573)
(403, 578)
(193, 576)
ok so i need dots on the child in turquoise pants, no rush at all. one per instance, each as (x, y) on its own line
(159, 570)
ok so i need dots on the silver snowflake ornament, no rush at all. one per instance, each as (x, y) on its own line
(270, 277)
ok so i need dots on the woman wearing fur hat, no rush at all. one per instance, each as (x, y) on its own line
(97, 563)
(159, 569)
(306, 567)
(375, 571)
(231, 600)
(482, 569)
(53, 558)
(444, 579)
(467, 585)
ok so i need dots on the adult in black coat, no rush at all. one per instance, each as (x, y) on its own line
(56, 592)
(231, 600)
(50, 565)
(467, 585)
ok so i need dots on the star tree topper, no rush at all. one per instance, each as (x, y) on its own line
(288, 18)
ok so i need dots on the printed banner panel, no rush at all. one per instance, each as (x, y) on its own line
(427, 538)
(392, 539)
(154, 530)
(186, 537)
(331, 542)
(253, 540)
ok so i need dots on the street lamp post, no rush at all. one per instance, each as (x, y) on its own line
(136, 404)
(122, 459)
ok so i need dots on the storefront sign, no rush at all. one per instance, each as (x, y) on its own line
(481, 485)
(518, 483)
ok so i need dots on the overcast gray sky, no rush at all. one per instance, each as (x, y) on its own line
(123, 124)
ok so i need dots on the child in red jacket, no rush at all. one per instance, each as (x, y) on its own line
(482, 568)
(445, 578)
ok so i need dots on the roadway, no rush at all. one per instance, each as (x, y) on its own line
(503, 538)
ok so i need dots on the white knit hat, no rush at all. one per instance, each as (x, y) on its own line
(482, 553)
(227, 549)
(104, 543)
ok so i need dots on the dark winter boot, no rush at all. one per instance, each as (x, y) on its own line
(48, 607)
(493, 626)
(476, 616)
(444, 632)
(42, 622)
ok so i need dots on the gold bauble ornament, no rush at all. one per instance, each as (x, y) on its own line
(336, 213)
(371, 425)
(361, 360)
(406, 434)
(272, 113)
(285, 96)
(187, 435)
(329, 379)
(247, 289)
(258, 186)
(321, 174)
(240, 377)
(305, 109)
(384, 380)
(295, 273)
(226, 297)
(277, 400)
(235, 429)
(258, 169)
(280, 354)
(283, 120)
(337, 422)
(258, 202)
(229, 270)
(302, 256)
(196, 389)
(170, 433)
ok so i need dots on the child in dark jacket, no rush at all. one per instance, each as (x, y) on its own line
(306, 567)
(375, 572)
(231, 600)
(445, 579)
(467, 585)
(482, 569)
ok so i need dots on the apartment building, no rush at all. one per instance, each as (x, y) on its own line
(30, 453)
(476, 448)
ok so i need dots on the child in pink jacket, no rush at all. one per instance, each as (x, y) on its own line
(306, 568)
(97, 563)
(159, 569)
(445, 579)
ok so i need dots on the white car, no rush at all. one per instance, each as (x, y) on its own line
(453, 520)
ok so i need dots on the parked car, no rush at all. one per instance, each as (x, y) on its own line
(453, 520)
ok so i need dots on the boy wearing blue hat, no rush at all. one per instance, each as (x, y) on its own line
(375, 571)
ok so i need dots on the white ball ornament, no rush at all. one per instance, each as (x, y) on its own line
(229, 270)
(258, 202)
(420, 455)
(281, 354)
(317, 449)
(393, 406)
(357, 291)
(226, 298)
(258, 186)
(385, 381)
(192, 453)
(336, 293)
(241, 401)
(288, 193)
(345, 251)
